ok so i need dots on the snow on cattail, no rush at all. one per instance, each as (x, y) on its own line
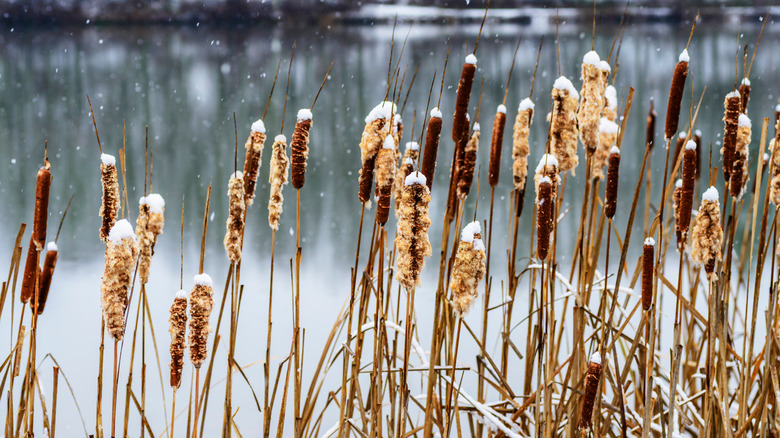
(412, 230)
(731, 126)
(371, 141)
(466, 174)
(612, 182)
(148, 225)
(385, 172)
(608, 133)
(688, 181)
(707, 235)
(235, 220)
(432, 137)
(544, 213)
(464, 94)
(177, 327)
(201, 303)
(496, 143)
(592, 101)
(49, 263)
(591, 388)
(121, 252)
(254, 152)
(739, 170)
(300, 148)
(278, 178)
(38, 236)
(610, 104)
(563, 117)
(676, 94)
(650, 134)
(744, 95)
(467, 269)
(520, 145)
(774, 185)
(111, 201)
(548, 167)
(410, 157)
(648, 259)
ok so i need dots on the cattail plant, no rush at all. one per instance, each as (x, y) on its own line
(371, 142)
(648, 259)
(299, 147)
(610, 103)
(744, 95)
(466, 174)
(412, 230)
(278, 178)
(385, 172)
(686, 193)
(410, 157)
(468, 268)
(592, 379)
(520, 145)
(235, 220)
(464, 94)
(592, 101)
(201, 303)
(563, 117)
(608, 133)
(47, 272)
(731, 126)
(148, 225)
(676, 94)
(707, 235)
(121, 252)
(254, 152)
(109, 208)
(496, 143)
(613, 171)
(177, 327)
(739, 171)
(432, 137)
(38, 236)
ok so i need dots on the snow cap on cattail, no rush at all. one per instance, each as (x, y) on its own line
(467, 269)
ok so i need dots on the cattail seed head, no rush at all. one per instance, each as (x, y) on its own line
(520, 145)
(38, 236)
(278, 178)
(563, 117)
(49, 263)
(774, 185)
(608, 132)
(235, 220)
(707, 235)
(651, 117)
(591, 388)
(385, 172)
(464, 94)
(544, 221)
(366, 179)
(648, 259)
(744, 95)
(148, 225)
(496, 143)
(432, 137)
(121, 252)
(731, 126)
(411, 155)
(592, 101)
(548, 167)
(201, 303)
(467, 269)
(610, 104)
(466, 174)
(688, 181)
(612, 182)
(111, 201)
(299, 147)
(177, 327)
(739, 171)
(676, 197)
(676, 94)
(30, 276)
(254, 153)
(412, 230)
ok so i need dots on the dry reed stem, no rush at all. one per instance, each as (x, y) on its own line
(731, 125)
(432, 137)
(648, 258)
(563, 117)
(280, 165)
(591, 388)
(466, 174)
(411, 238)
(468, 269)
(462, 100)
(235, 220)
(707, 235)
(675, 98)
(49, 263)
(520, 145)
(591, 104)
(299, 147)
(109, 207)
(612, 183)
(121, 252)
(177, 327)
(201, 304)
(254, 153)
(496, 144)
(739, 171)
(411, 154)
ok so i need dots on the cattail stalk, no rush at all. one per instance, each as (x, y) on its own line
(468, 268)
(121, 252)
(277, 178)
(299, 147)
(520, 145)
(731, 126)
(235, 220)
(707, 235)
(412, 230)
(49, 263)
(432, 137)
(563, 117)
(254, 153)
(592, 101)
(676, 94)
(466, 174)
(739, 171)
(177, 327)
(38, 236)
(464, 94)
(591, 388)
(109, 208)
(496, 144)
(648, 259)
(201, 304)
(612, 182)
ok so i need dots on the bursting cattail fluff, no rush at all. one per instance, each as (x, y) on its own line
(739, 170)
(612, 182)
(608, 133)
(467, 269)
(520, 145)
(385, 172)
(49, 263)
(648, 260)
(707, 235)
(412, 230)
(563, 117)
(201, 303)
(109, 206)
(731, 126)
(466, 174)
(610, 104)
(592, 379)
(592, 101)
(676, 94)
(148, 225)
(38, 236)
(496, 143)
(299, 147)
(278, 178)
(688, 181)
(177, 327)
(235, 220)
(464, 94)
(411, 155)
(254, 152)
(121, 253)
(432, 137)
(774, 183)
(371, 142)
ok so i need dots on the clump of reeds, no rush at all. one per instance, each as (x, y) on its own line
(410, 157)
(563, 117)
(385, 172)
(592, 379)
(707, 235)
(468, 268)
(520, 145)
(412, 230)
(739, 171)
(463, 97)
(676, 94)
(148, 225)
(592, 101)
(608, 133)
(121, 253)
(235, 220)
(38, 236)
(109, 207)
(613, 171)
(201, 303)
(177, 327)
(648, 260)
(299, 147)
(432, 137)
(47, 272)
(731, 126)
(496, 143)
(278, 178)
(466, 173)
(254, 152)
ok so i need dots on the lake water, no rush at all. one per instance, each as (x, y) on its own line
(186, 82)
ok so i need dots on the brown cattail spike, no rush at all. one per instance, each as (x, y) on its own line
(544, 202)
(466, 174)
(563, 118)
(235, 220)
(412, 233)
(676, 197)
(366, 179)
(707, 235)
(432, 137)
(278, 178)
(201, 303)
(520, 146)
(591, 388)
(121, 253)
(49, 263)
(496, 144)
(177, 327)
(111, 201)
(650, 135)
(648, 260)
(612, 182)
(688, 181)
(739, 171)
(467, 269)
(774, 184)
(38, 236)
(464, 94)
(731, 125)
(254, 152)
(385, 172)
(744, 95)
(676, 94)
(300, 148)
